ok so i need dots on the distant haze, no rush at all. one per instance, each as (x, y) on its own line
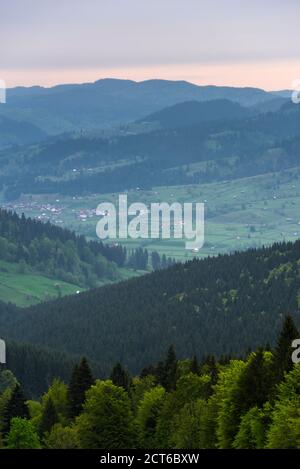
(235, 43)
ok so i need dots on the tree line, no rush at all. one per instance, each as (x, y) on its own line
(226, 403)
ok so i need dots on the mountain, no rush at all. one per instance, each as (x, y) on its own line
(111, 102)
(226, 149)
(192, 113)
(224, 304)
(13, 132)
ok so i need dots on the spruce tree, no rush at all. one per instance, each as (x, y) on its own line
(170, 370)
(194, 367)
(160, 373)
(15, 407)
(213, 369)
(49, 417)
(81, 380)
(120, 377)
(255, 383)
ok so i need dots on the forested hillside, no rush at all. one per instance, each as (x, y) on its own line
(250, 403)
(56, 252)
(194, 113)
(19, 132)
(217, 305)
(36, 367)
(226, 149)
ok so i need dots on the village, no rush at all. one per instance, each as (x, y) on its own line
(55, 211)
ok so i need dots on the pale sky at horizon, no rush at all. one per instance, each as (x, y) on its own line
(233, 43)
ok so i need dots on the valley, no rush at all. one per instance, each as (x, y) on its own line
(149, 230)
(239, 214)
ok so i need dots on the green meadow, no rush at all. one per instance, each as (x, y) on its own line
(242, 213)
(26, 288)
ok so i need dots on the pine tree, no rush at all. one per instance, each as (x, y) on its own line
(194, 367)
(49, 417)
(120, 377)
(81, 380)
(283, 351)
(213, 369)
(256, 382)
(15, 407)
(160, 373)
(170, 370)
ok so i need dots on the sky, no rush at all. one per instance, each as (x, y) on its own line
(221, 42)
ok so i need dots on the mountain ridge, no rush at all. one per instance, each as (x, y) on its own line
(111, 102)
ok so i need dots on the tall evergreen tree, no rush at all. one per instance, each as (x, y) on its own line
(49, 417)
(81, 380)
(15, 407)
(170, 370)
(213, 369)
(194, 367)
(120, 377)
(256, 382)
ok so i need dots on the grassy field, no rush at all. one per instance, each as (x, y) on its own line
(24, 289)
(243, 213)
(28, 288)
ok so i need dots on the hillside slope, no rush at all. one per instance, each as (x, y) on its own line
(110, 102)
(191, 113)
(36, 367)
(24, 287)
(39, 260)
(226, 149)
(217, 305)
(19, 133)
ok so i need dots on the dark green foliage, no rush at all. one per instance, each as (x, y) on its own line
(139, 259)
(195, 367)
(161, 262)
(15, 407)
(193, 414)
(120, 377)
(49, 417)
(57, 252)
(36, 367)
(165, 372)
(170, 370)
(256, 382)
(202, 307)
(81, 380)
(209, 366)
